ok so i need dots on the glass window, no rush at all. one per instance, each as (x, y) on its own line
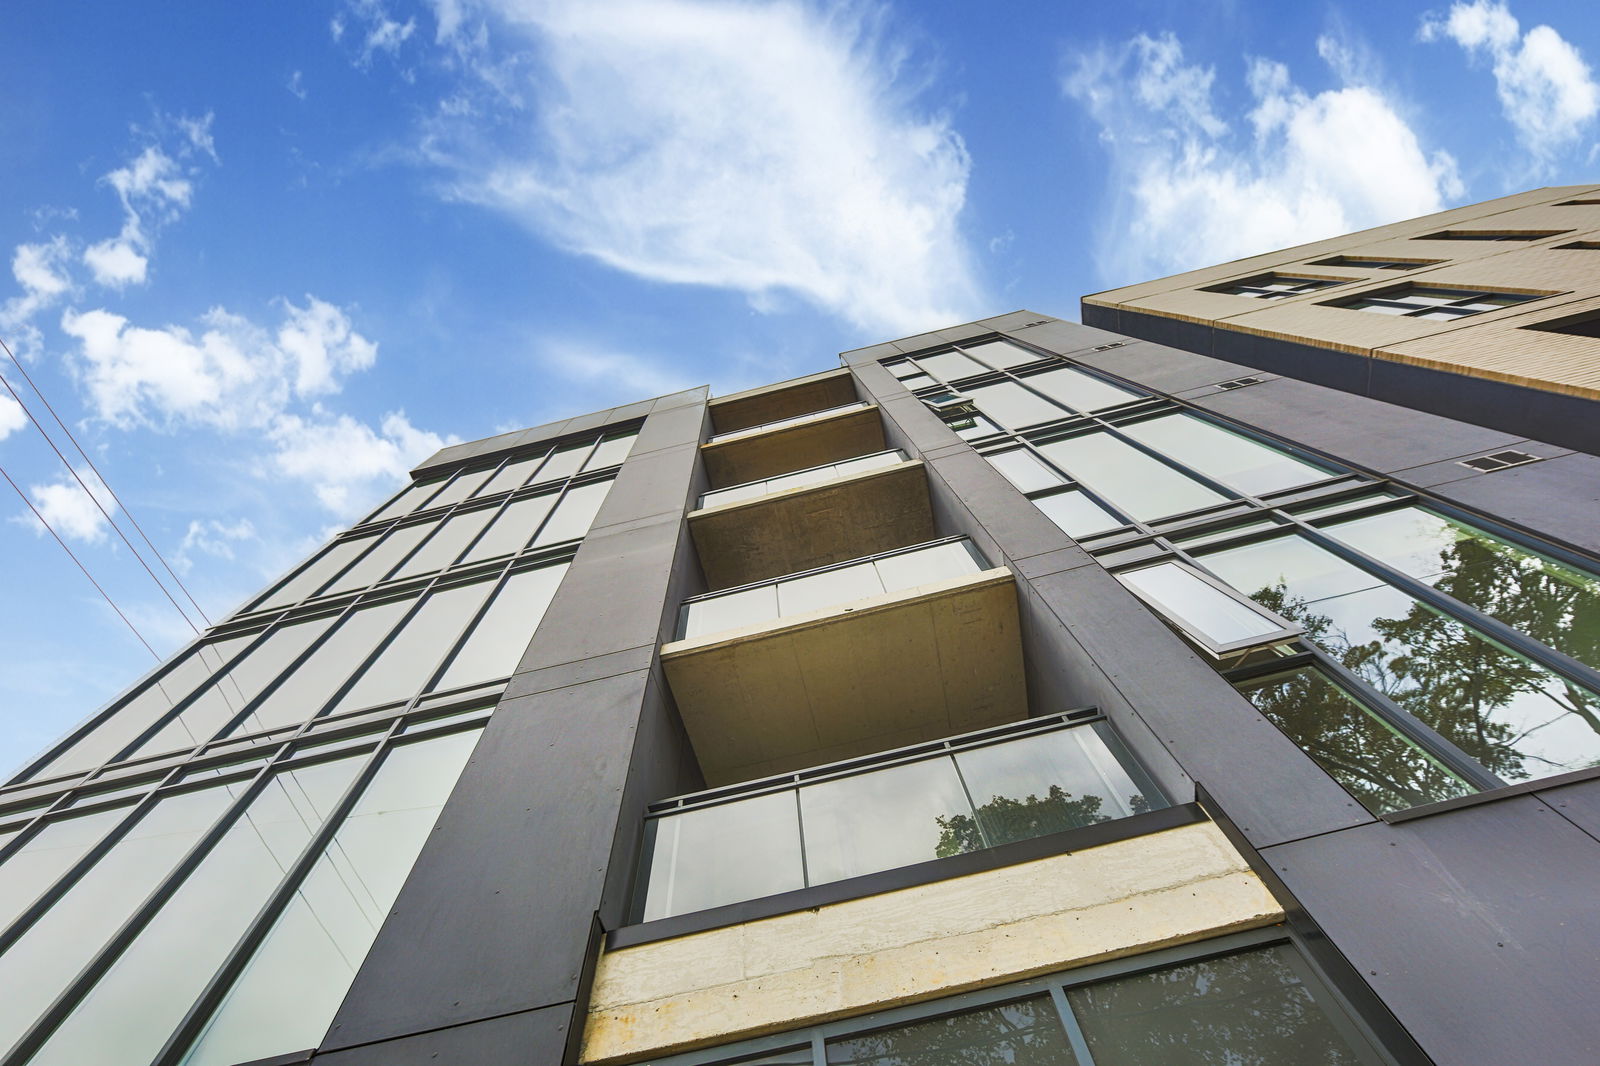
(1077, 514)
(1025, 1033)
(1554, 604)
(949, 366)
(402, 668)
(1253, 1007)
(883, 820)
(1199, 608)
(51, 852)
(512, 476)
(1133, 482)
(133, 1008)
(816, 591)
(513, 529)
(1047, 783)
(574, 514)
(409, 500)
(1514, 716)
(1372, 760)
(565, 461)
(286, 997)
(441, 549)
(1077, 390)
(734, 851)
(917, 381)
(734, 610)
(39, 965)
(377, 562)
(927, 565)
(1000, 354)
(1023, 469)
(501, 636)
(1013, 406)
(612, 450)
(305, 690)
(464, 485)
(318, 571)
(1238, 462)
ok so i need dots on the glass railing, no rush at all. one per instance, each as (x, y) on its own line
(811, 476)
(811, 590)
(790, 421)
(977, 791)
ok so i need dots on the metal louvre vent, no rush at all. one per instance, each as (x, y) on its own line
(1238, 383)
(1499, 460)
(1108, 347)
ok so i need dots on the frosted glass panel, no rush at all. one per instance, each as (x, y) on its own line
(502, 634)
(513, 529)
(400, 670)
(1134, 482)
(574, 514)
(1238, 462)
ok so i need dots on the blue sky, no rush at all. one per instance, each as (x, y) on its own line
(265, 257)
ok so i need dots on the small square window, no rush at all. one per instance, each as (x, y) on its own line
(1275, 286)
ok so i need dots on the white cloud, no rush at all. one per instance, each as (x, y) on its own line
(69, 510)
(343, 459)
(233, 375)
(213, 538)
(1190, 189)
(764, 148)
(1546, 90)
(12, 417)
(41, 270)
(155, 187)
(116, 262)
(296, 85)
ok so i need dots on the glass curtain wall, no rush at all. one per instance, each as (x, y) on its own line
(1438, 658)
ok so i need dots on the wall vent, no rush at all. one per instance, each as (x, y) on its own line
(1238, 383)
(1499, 460)
(1108, 347)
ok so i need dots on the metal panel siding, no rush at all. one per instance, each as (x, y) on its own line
(528, 1038)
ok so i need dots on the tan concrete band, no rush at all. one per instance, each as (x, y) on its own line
(933, 940)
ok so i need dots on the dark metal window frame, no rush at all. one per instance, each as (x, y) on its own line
(1255, 287)
(1463, 297)
(1285, 631)
(1376, 263)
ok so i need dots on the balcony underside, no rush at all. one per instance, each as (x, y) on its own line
(856, 678)
(782, 400)
(814, 525)
(829, 439)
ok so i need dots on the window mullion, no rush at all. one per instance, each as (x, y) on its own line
(1069, 1022)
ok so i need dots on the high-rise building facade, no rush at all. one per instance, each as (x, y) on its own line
(1016, 693)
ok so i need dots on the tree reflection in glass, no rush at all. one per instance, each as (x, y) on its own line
(1027, 1033)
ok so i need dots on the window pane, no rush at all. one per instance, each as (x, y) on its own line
(441, 549)
(1000, 354)
(1078, 390)
(564, 462)
(1243, 464)
(574, 514)
(733, 851)
(503, 633)
(732, 611)
(409, 500)
(950, 365)
(286, 998)
(1013, 406)
(37, 968)
(1377, 765)
(382, 558)
(1251, 1008)
(511, 476)
(612, 450)
(49, 854)
(464, 485)
(883, 820)
(1132, 481)
(1551, 603)
(1023, 469)
(1077, 514)
(401, 669)
(513, 529)
(1514, 716)
(305, 691)
(1042, 784)
(926, 566)
(316, 573)
(1196, 606)
(816, 591)
(1028, 1033)
(134, 1007)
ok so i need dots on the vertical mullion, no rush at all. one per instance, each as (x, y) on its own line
(977, 822)
(1069, 1022)
(800, 825)
(244, 949)
(819, 1049)
(460, 639)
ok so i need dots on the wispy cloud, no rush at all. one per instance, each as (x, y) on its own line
(343, 459)
(763, 148)
(1547, 92)
(1190, 187)
(69, 510)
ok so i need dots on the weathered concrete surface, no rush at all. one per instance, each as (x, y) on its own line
(844, 435)
(919, 943)
(769, 403)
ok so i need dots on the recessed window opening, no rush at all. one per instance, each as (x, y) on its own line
(1275, 286)
(1585, 325)
(1373, 263)
(1491, 235)
(1579, 246)
(1438, 304)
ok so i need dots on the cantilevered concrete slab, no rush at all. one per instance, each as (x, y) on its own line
(828, 438)
(852, 679)
(809, 526)
(755, 407)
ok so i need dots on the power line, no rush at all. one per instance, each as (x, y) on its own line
(75, 559)
(93, 498)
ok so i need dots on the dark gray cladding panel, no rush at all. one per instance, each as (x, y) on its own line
(1065, 338)
(1559, 497)
(1164, 369)
(671, 427)
(650, 485)
(1477, 927)
(1553, 416)
(495, 917)
(1371, 434)
(870, 354)
(528, 1038)
(1002, 513)
(1578, 804)
(1272, 789)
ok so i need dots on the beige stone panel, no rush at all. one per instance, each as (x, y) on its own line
(1505, 350)
(813, 525)
(798, 447)
(1197, 305)
(769, 403)
(1454, 218)
(928, 941)
(775, 696)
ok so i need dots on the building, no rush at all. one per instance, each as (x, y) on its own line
(1486, 313)
(1020, 692)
